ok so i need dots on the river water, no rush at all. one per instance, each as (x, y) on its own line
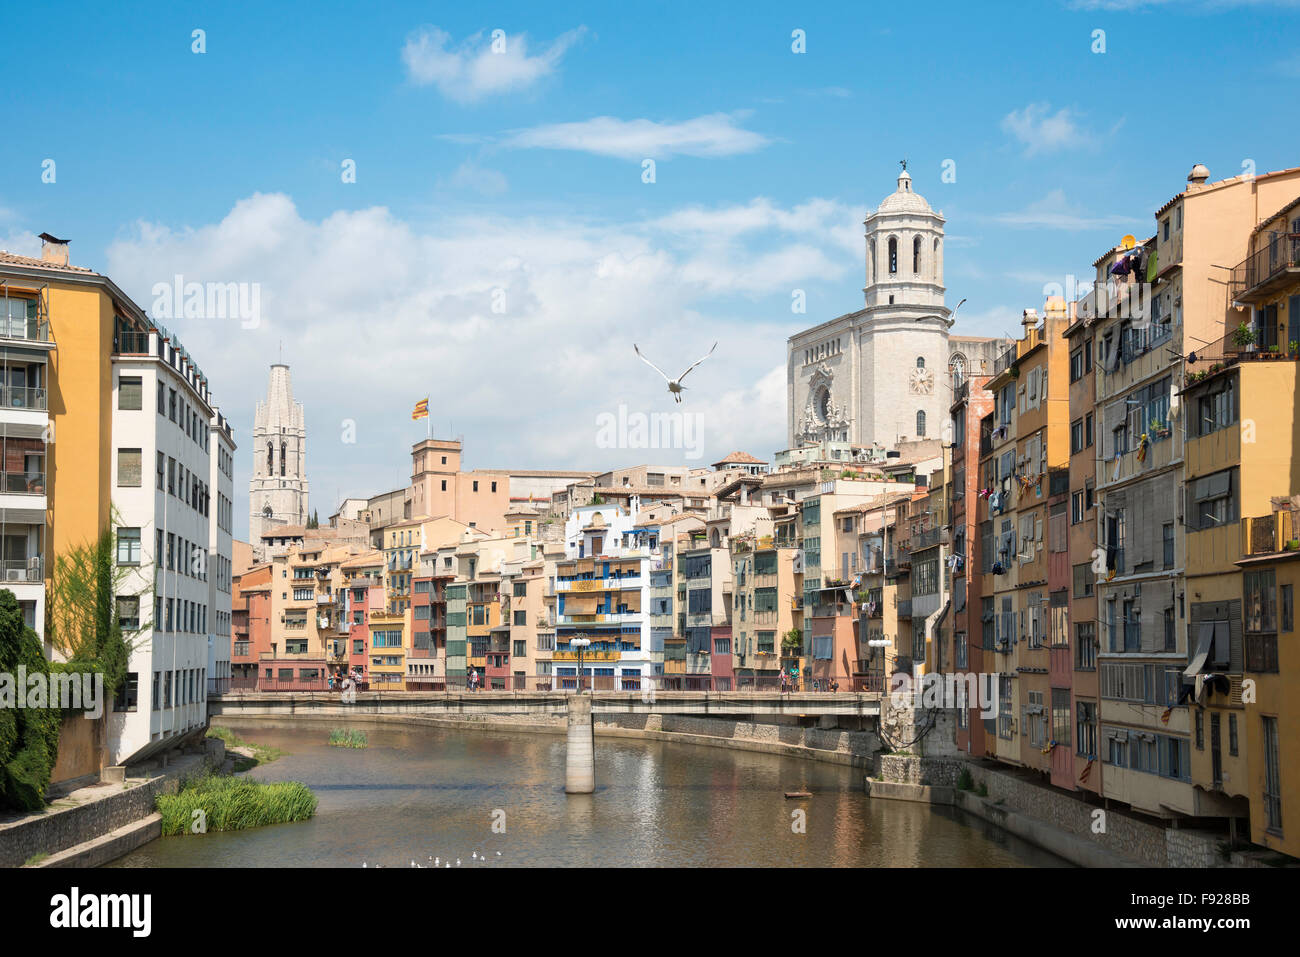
(417, 794)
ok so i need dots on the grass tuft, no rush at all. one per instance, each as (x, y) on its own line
(234, 804)
(348, 738)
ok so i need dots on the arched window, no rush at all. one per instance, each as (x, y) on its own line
(270, 459)
(283, 447)
(934, 263)
(893, 254)
(874, 274)
(916, 256)
(920, 362)
(920, 425)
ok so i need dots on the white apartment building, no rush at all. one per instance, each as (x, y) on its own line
(172, 481)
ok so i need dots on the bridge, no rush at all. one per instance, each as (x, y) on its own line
(454, 703)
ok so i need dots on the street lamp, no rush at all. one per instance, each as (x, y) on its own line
(581, 644)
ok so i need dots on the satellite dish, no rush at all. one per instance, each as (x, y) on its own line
(1128, 242)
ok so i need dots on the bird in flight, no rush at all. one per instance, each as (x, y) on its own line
(674, 385)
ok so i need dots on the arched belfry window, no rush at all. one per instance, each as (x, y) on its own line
(920, 362)
(893, 254)
(270, 459)
(916, 256)
(283, 448)
(874, 274)
(920, 425)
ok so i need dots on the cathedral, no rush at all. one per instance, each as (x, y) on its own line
(886, 373)
(277, 492)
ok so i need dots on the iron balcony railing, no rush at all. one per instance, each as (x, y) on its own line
(1273, 265)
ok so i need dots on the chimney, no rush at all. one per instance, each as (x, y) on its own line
(1198, 175)
(1030, 321)
(54, 250)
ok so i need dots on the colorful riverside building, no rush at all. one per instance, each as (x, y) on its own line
(602, 587)
(971, 404)
(1081, 541)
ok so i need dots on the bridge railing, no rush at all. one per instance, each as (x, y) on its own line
(572, 684)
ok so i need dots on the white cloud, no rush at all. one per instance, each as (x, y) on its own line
(480, 66)
(1054, 211)
(374, 312)
(1042, 131)
(471, 176)
(706, 136)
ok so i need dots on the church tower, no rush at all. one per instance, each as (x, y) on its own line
(880, 375)
(277, 492)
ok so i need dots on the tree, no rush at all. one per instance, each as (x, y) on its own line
(29, 737)
(81, 619)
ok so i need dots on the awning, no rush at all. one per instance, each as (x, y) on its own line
(579, 604)
(1204, 638)
(631, 598)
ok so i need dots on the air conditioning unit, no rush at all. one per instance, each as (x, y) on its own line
(15, 575)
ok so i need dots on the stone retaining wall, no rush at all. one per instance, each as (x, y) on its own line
(59, 828)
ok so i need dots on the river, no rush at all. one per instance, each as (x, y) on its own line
(419, 794)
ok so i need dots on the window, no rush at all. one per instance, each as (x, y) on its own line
(920, 362)
(1232, 734)
(1286, 609)
(1215, 409)
(893, 254)
(1211, 501)
(916, 259)
(1076, 365)
(128, 612)
(128, 468)
(128, 693)
(920, 424)
(130, 394)
(1272, 776)
(1076, 437)
(1167, 541)
(1085, 646)
(1083, 580)
(1085, 729)
(128, 546)
(1200, 729)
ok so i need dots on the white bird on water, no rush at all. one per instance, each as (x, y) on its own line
(674, 385)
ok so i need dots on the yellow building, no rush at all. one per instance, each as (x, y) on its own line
(1271, 736)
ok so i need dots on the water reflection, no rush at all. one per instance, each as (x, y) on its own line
(431, 792)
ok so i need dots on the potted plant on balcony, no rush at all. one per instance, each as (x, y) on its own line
(1275, 351)
(1243, 337)
(1159, 429)
(1294, 348)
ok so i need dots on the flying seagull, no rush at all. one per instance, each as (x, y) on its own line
(674, 385)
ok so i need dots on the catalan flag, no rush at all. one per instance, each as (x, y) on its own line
(421, 410)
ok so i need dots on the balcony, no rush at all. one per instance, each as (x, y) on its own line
(929, 538)
(131, 343)
(1268, 270)
(1269, 534)
(587, 656)
(30, 482)
(23, 570)
(17, 397)
(905, 608)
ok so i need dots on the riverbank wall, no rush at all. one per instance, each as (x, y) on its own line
(95, 824)
(1084, 833)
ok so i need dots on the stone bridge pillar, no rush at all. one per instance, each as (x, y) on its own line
(580, 756)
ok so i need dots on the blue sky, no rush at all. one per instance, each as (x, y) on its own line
(522, 172)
